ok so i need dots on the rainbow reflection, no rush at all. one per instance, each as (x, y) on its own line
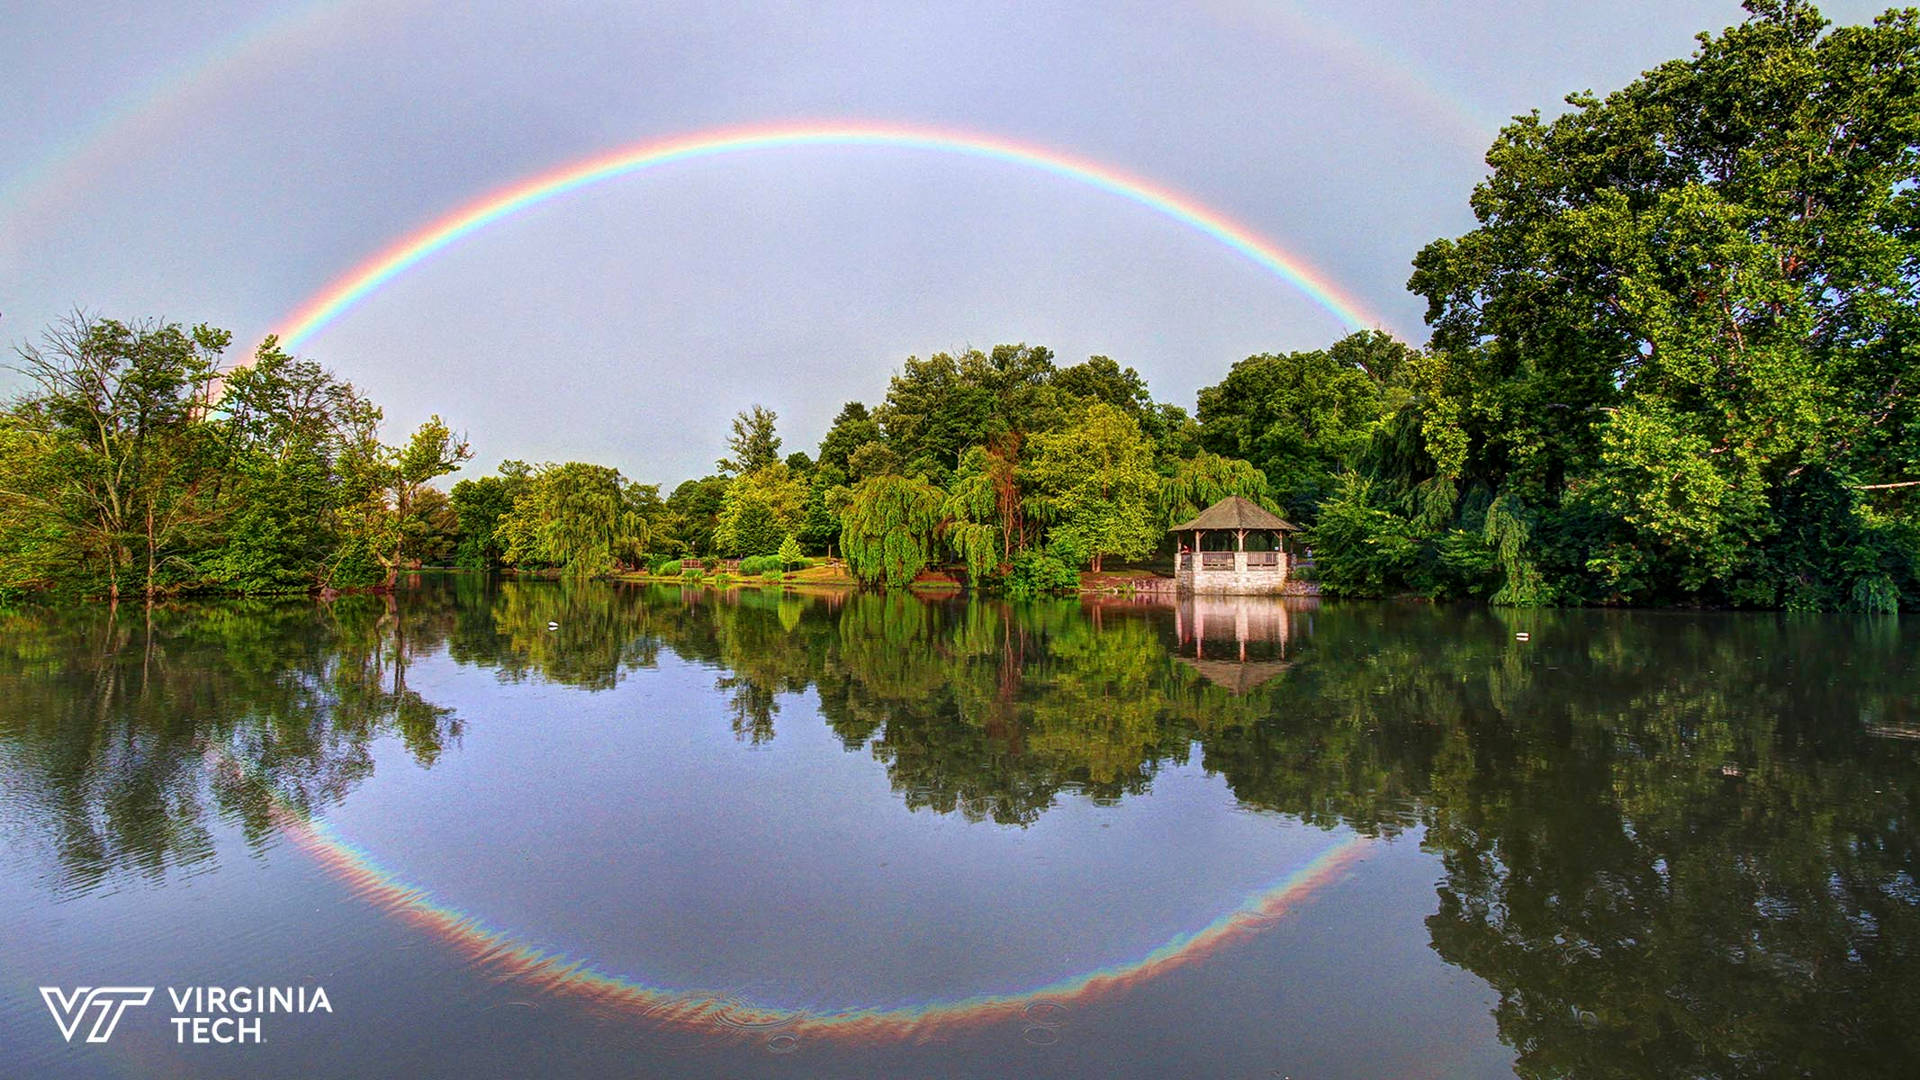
(556, 973)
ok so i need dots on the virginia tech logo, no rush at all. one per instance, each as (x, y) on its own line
(71, 1007)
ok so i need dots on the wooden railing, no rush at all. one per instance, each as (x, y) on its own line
(1216, 560)
(1263, 560)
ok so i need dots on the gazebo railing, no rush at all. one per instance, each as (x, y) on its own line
(1226, 561)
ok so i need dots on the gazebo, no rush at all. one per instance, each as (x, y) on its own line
(1236, 569)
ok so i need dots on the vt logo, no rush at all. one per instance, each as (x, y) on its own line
(69, 1009)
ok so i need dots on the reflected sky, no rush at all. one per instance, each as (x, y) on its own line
(777, 833)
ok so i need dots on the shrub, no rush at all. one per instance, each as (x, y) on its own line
(1041, 573)
(667, 567)
(770, 576)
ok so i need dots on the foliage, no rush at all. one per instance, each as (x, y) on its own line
(1670, 363)
(578, 518)
(753, 445)
(888, 529)
(478, 506)
(694, 513)
(1302, 417)
(790, 555)
(759, 510)
(1093, 483)
(1205, 479)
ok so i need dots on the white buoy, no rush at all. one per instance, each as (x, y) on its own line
(553, 626)
(1522, 636)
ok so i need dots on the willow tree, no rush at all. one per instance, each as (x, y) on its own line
(888, 529)
(583, 519)
(979, 527)
(1200, 481)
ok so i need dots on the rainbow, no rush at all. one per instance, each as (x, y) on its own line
(98, 145)
(356, 284)
(783, 1028)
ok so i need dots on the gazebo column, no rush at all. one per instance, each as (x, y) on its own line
(1240, 551)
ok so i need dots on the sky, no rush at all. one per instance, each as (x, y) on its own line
(227, 162)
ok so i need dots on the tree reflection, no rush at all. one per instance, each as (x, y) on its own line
(1674, 845)
(125, 732)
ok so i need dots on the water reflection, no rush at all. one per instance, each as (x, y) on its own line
(1672, 844)
(125, 733)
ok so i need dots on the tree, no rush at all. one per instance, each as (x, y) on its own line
(1093, 483)
(852, 429)
(478, 506)
(580, 518)
(432, 451)
(888, 528)
(759, 510)
(753, 445)
(1675, 346)
(694, 513)
(114, 449)
(288, 427)
(790, 555)
(1299, 417)
(1205, 479)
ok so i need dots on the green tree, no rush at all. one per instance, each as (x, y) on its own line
(753, 445)
(112, 447)
(759, 510)
(693, 513)
(478, 506)
(1300, 417)
(1675, 345)
(580, 518)
(1200, 481)
(1093, 483)
(888, 529)
(432, 451)
(853, 427)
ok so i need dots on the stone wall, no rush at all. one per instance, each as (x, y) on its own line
(1236, 578)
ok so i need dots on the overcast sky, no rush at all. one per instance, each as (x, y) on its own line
(221, 161)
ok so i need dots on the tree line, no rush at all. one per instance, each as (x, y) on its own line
(1672, 364)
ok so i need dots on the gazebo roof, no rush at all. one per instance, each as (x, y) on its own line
(1234, 512)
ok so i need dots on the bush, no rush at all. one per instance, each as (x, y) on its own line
(1041, 573)
(667, 567)
(770, 576)
(692, 573)
(758, 564)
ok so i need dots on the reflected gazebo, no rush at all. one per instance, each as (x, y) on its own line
(1237, 642)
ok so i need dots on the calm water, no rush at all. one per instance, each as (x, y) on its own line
(698, 834)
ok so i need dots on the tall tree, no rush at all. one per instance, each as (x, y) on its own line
(1299, 417)
(122, 458)
(1677, 345)
(753, 445)
(1093, 483)
(579, 518)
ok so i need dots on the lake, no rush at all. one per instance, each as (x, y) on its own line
(533, 828)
